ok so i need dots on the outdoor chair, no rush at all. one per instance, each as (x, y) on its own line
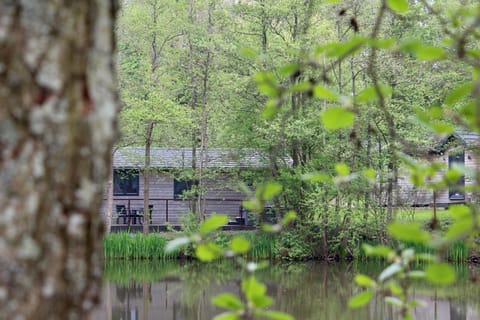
(121, 213)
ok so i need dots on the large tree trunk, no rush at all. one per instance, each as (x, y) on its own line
(57, 125)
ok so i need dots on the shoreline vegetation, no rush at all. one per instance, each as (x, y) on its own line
(302, 242)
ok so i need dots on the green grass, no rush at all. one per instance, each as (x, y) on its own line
(422, 214)
(457, 252)
(263, 246)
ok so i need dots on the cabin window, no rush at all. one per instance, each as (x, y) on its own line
(126, 182)
(181, 186)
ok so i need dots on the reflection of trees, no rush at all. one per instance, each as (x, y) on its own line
(197, 278)
(147, 298)
(310, 291)
(458, 309)
(313, 290)
(125, 271)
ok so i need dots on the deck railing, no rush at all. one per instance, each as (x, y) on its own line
(130, 211)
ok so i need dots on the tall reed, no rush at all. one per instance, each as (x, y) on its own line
(126, 245)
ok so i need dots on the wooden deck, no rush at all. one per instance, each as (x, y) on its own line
(163, 228)
(129, 210)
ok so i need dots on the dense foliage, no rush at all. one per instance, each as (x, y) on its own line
(193, 68)
(351, 92)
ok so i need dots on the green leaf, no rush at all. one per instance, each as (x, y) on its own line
(324, 93)
(369, 173)
(253, 205)
(361, 299)
(394, 301)
(288, 69)
(408, 316)
(452, 175)
(435, 112)
(239, 245)
(317, 177)
(214, 222)
(458, 93)
(207, 252)
(380, 251)
(289, 217)
(440, 274)
(268, 89)
(267, 84)
(261, 301)
(416, 303)
(228, 301)
(416, 274)
(365, 281)
(270, 190)
(459, 228)
(441, 127)
(227, 316)
(428, 53)
(382, 43)
(274, 315)
(300, 87)
(337, 118)
(271, 109)
(369, 94)
(342, 169)
(460, 212)
(251, 287)
(409, 232)
(390, 271)
(366, 95)
(399, 6)
(176, 244)
(395, 288)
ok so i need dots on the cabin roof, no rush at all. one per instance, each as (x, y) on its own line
(169, 158)
(467, 139)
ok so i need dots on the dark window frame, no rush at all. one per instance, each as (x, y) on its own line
(129, 183)
(456, 191)
(180, 186)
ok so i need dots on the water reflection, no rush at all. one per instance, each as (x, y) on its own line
(316, 291)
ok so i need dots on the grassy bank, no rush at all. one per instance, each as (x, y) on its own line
(138, 247)
(304, 242)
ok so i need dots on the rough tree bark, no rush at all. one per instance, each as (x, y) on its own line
(57, 125)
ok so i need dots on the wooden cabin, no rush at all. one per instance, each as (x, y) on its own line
(457, 148)
(169, 184)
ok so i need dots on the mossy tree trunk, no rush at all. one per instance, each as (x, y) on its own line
(57, 125)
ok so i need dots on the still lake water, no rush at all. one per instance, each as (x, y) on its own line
(309, 291)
